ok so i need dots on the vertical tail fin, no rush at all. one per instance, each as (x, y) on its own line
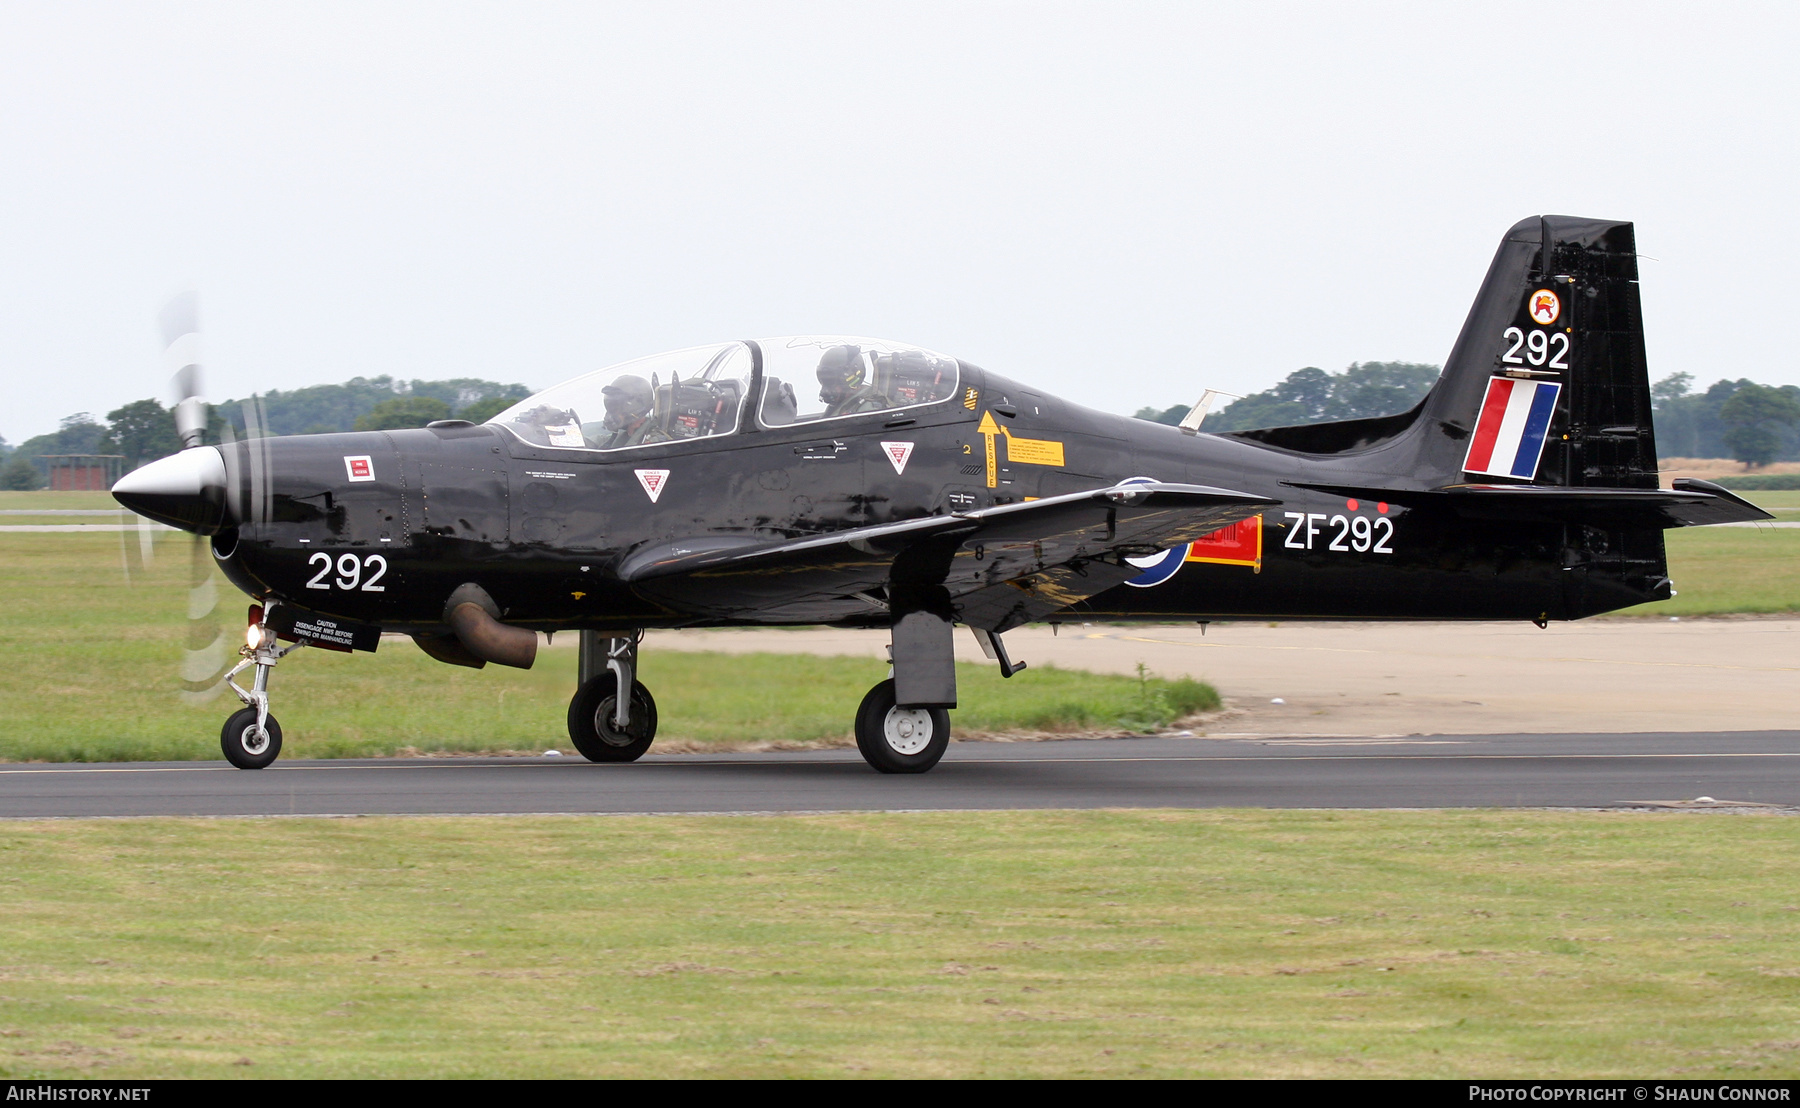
(1548, 385)
(1547, 382)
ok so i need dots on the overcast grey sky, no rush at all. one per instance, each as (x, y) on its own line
(1125, 202)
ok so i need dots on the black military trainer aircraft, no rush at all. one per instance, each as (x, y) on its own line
(861, 483)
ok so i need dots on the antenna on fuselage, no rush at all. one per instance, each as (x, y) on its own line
(1190, 423)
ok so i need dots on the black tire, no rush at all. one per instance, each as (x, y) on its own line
(241, 749)
(591, 726)
(900, 740)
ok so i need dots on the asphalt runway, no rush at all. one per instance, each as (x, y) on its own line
(1451, 771)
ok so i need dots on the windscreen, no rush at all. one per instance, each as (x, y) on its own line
(683, 394)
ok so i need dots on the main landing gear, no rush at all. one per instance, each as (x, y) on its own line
(251, 738)
(604, 726)
(902, 725)
(893, 739)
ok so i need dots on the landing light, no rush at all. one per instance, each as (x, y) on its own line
(257, 636)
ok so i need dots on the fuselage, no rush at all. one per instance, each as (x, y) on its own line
(380, 527)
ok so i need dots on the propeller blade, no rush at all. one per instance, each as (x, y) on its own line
(236, 507)
(135, 554)
(146, 541)
(208, 653)
(124, 546)
(181, 357)
(257, 446)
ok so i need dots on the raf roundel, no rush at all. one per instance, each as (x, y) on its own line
(1545, 307)
(1157, 567)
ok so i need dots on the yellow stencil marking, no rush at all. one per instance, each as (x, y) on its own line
(1035, 452)
(988, 429)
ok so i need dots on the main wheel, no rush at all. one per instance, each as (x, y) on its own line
(900, 740)
(245, 747)
(591, 721)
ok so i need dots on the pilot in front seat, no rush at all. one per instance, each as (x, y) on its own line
(845, 383)
(629, 403)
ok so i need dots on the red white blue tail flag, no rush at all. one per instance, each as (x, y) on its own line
(1510, 432)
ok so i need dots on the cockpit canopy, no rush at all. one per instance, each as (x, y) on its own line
(701, 391)
(814, 377)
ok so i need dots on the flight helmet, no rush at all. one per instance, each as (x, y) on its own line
(628, 399)
(842, 372)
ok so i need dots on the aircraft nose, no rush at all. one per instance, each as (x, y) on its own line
(185, 490)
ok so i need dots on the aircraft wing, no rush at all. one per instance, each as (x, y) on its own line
(995, 568)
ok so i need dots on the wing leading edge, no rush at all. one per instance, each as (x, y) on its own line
(992, 569)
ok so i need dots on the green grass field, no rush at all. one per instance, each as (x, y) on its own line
(1727, 570)
(45, 500)
(92, 670)
(1005, 944)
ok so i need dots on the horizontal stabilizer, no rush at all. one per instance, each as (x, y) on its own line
(1690, 503)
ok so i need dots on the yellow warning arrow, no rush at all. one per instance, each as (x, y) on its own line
(988, 429)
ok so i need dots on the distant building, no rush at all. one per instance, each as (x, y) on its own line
(83, 472)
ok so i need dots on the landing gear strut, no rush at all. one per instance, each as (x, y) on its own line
(604, 726)
(251, 738)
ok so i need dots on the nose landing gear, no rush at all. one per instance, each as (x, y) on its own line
(249, 743)
(604, 726)
(251, 738)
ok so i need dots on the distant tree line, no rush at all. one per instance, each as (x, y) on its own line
(1755, 424)
(376, 404)
(144, 430)
(1311, 395)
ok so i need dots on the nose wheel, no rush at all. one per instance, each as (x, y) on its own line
(893, 739)
(593, 726)
(604, 727)
(247, 744)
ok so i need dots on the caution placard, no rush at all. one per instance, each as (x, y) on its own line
(1034, 452)
(293, 624)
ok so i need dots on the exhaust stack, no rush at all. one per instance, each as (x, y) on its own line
(475, 618)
